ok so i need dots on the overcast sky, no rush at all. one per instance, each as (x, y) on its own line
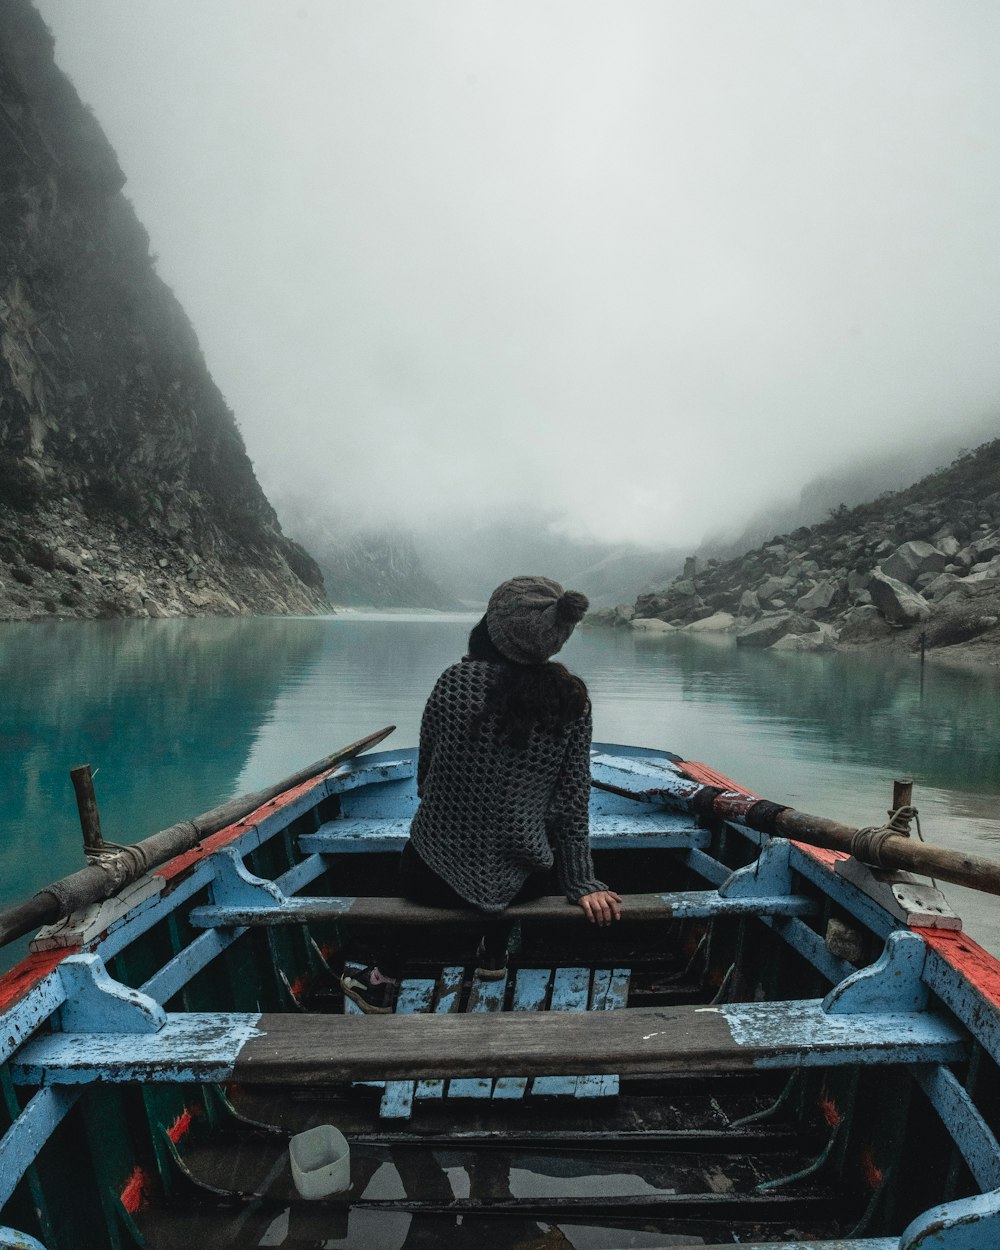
(646, 264)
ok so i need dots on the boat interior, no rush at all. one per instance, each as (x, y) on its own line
(757, 1054)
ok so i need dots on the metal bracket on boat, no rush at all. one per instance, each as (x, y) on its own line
(769, 876)
(234, 885)
(96, 1003)
(904, 896)
(892, 984)
(968, 1222)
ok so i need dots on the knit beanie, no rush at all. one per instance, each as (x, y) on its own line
(529, 618)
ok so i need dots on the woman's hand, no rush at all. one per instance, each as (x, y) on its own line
(602, 907)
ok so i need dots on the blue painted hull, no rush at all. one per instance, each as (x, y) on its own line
(857, 1049)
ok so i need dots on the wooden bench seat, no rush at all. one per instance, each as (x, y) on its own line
(608, 831)
(320, 1050)
(685, 904)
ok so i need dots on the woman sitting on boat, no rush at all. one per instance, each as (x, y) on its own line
(503, 776)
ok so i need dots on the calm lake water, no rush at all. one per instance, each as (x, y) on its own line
(177, 716)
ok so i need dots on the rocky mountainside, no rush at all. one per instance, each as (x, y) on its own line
(367, 567)
(922, 563)
(125, 487)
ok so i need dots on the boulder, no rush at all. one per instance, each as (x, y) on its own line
(749, 604)
(651, 625)
(986, 549)
(986, 579)
(684, 586)
(949, 545)
(803, 642)
(909, 560)
(863, 623)
(944, 583)
(624, 613)
(896, 601)
(815, 600)
(769, 629)
(717, 623)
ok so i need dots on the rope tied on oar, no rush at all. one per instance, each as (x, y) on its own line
(867, 844)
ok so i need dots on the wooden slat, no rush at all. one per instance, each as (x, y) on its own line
(608, 993)
(531, 993)
(397, 1101)
(351, 1008)
(448, 999)
(618, 830)
(570, 992)
(485, 996)
(682, 904)
(323, 1050)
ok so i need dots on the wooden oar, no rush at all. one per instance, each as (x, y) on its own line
(733, 803)
(100, 880)
(897, 851)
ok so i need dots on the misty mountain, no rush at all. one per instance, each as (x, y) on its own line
(125, 486)
(370, 567)
(471, 559)
(853, 484)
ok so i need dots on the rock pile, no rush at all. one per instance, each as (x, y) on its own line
(925, 560)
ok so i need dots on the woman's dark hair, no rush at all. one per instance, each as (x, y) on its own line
(525, 696)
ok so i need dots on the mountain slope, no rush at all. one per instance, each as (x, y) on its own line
(920, 562)
(125, 487)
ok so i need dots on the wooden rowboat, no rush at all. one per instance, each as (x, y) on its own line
(779, 1046)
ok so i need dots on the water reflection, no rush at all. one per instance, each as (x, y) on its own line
(179, 715)
(166, 711)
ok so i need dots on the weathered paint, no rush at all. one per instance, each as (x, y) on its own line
(969, 1131)
(819, 1038)
(32, 1007)
(11, 1239)
(19, 1146)
(968, 1224)
(840, 1243)
(485, 996)
(397, 1101)
(965, 978)
(531, 993)
(570, 992)
(609, 992)
(448, 999)
(191, 1047)
(96, 1003)
(611, 832)
(893, 983)
(970, 986)
(17, 984)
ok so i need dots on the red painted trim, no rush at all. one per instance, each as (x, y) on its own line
(23, 977)
(182, 1125)
(214, 842)
(136, 1194)
(874, 1175)
(708, 776)
(977, 966)
(831, 1114)
(711, 777)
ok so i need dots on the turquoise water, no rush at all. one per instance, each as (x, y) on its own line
(177, 716)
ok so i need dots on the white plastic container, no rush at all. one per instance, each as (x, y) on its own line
(321, 1162)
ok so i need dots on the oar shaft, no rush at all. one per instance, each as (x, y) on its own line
(99, 881)
(897, 851)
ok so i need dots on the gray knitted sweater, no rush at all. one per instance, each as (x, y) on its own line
(490, 815)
